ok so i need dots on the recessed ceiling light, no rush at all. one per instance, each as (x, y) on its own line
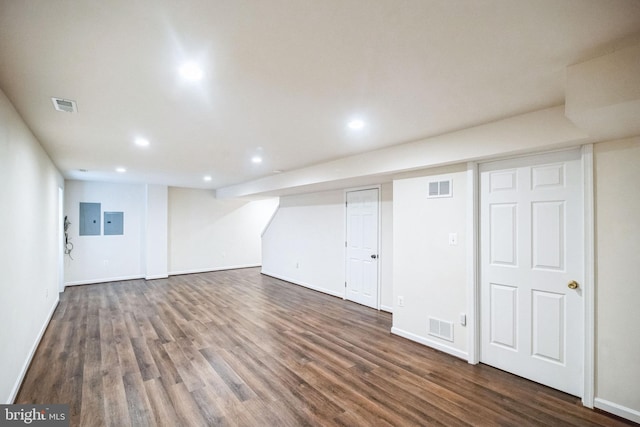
(191, 71)
(207, 178)
(121, 170)
(256, 159)
(142, 142)
(277, 171)
(355, 124)
(83, 170)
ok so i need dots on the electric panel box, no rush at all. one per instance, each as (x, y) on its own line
(89, 219)
(113, 223)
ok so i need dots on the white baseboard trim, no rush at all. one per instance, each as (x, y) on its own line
(619, 410)
(303, 284)
(27, 362)
(156, 276)
(431, 343)
(386, 308)
(171, 273)
(103, 280)
(211, 269)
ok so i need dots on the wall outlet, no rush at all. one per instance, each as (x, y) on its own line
(297, 265)
(105, 262)
(453, 239)
(400, 301)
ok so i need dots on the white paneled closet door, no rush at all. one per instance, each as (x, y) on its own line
(532, 264)
(362, 247)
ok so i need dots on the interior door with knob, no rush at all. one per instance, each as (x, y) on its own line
(532, 264)
(361, 284)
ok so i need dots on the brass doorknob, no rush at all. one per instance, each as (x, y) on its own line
(573, 284)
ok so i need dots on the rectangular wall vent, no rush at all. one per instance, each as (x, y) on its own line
(66, 105)
(441, 329)
(440, 189)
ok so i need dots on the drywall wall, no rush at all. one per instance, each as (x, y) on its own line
(207, 234)
(106, 258)
(30, 245)
(166, 231)
(156, 234)
(429, 274)
(617, 174)
(386, 247)
(304, 243)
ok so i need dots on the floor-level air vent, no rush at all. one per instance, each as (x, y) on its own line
(441, 329)
(66, 105)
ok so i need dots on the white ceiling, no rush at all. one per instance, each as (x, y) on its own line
(281, 78)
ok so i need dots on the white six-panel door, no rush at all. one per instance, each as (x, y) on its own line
(362, 247)
(531, 240)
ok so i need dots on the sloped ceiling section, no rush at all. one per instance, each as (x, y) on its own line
(282, 79)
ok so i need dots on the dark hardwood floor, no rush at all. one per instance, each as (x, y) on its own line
(239, 348)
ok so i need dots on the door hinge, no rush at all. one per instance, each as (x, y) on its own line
(345, 284)
(346, 204)
(345, 243)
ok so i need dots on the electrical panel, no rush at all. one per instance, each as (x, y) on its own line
(89, 219)
(113, 223)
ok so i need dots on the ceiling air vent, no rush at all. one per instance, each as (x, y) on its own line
(66, 105)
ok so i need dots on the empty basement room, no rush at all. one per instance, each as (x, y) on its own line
(354, 212)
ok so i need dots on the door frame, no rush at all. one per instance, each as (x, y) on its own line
(473, 262)
(379, 231)
(61, 242)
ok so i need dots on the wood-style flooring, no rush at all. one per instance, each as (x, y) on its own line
(239, 348)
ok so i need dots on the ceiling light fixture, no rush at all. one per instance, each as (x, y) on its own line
(207, 178)
(142, 142)
(256, 159)
(191, 71)
(356, 124)
(121, 170)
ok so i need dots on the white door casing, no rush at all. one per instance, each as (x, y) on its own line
(61, 243)
(531, 248)
(362, 247)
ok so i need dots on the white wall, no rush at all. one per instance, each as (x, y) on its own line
(29, 246)
(304, 243)
(208, 234)
(166, 231)
(386, 247)
(156, 232)
(617, 177)
(106, 258)
(428, 273)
